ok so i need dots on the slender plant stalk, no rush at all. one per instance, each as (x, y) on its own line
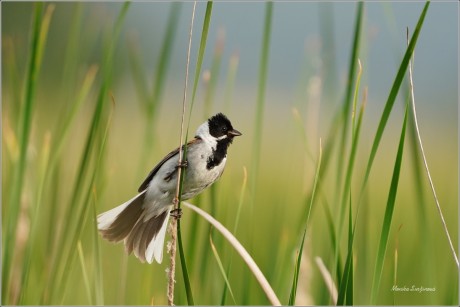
(174, 220)
(81, 257)
(383, 242)
(242, 251)
(221, 267)
(295, 279)
(328, 280)
(36, 214)
(263, 74)
(349, 90)
(235, 227)
(393, 93)
(40, 31)
(425, 163)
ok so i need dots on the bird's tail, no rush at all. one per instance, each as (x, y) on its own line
(127, 222)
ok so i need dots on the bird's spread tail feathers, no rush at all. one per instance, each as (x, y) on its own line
(145, 238)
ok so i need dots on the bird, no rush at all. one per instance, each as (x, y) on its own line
(141, 222)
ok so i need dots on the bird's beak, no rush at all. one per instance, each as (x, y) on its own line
(234, 132)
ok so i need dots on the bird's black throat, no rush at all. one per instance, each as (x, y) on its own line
(219, 153)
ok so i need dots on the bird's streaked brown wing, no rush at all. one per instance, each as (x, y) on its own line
(149, 178)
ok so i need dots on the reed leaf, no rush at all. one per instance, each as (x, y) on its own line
(38, 41)
(383, 242)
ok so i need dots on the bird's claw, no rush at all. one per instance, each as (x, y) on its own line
(176, 213)
(182, 164)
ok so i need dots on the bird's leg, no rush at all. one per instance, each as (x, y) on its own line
(182, 164)
(176, 213)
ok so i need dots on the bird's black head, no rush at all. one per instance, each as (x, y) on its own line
(220, 127)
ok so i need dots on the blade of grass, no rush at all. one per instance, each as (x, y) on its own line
(221, 267)
(77, 208)
(175, 222)
(215, 70)
(307, 219)
(231, 76)
(388, 215)
(263, 74)
(164, 58)
(349, 89)
(12, 75)
(425, 163)
(235, 227)
(81, 257)
(242, 251)
(352, 157)
(152, 102)
(72, 54)
(81, 218)
(201, 51)
(98, 280)
(139, 78)
(349, 281)
(395, 271)
(347, 276)
(188, 287)
(26, 264)
(38, 41)
(327, 277)
(393, 93)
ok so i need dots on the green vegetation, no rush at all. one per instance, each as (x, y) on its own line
(287, 199)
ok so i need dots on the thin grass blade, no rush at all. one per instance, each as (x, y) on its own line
(77, 207)
(235, 228)
(221, 267)
(394, 92)
(263, 74)
(383, 242)
(292, 296)
(84, 271)
(40, 32)
(327, 277)
(242, 251)
(98, 280)
(187, 285)
(201, 51)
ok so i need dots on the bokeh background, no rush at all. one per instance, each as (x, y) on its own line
(309, 53)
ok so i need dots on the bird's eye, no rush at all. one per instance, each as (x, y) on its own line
(224, 129)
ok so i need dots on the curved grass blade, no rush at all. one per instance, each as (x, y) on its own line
(327, 277)
(242, 251)
(175, 223)
(40, 32)
(235, 228)
(393, 93)
(221, 267)
(388, 214)
(299, 254)
(201, 51)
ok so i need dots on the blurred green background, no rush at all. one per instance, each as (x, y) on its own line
(308, 62)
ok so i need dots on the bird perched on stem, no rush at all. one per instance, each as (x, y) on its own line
(141, 222)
